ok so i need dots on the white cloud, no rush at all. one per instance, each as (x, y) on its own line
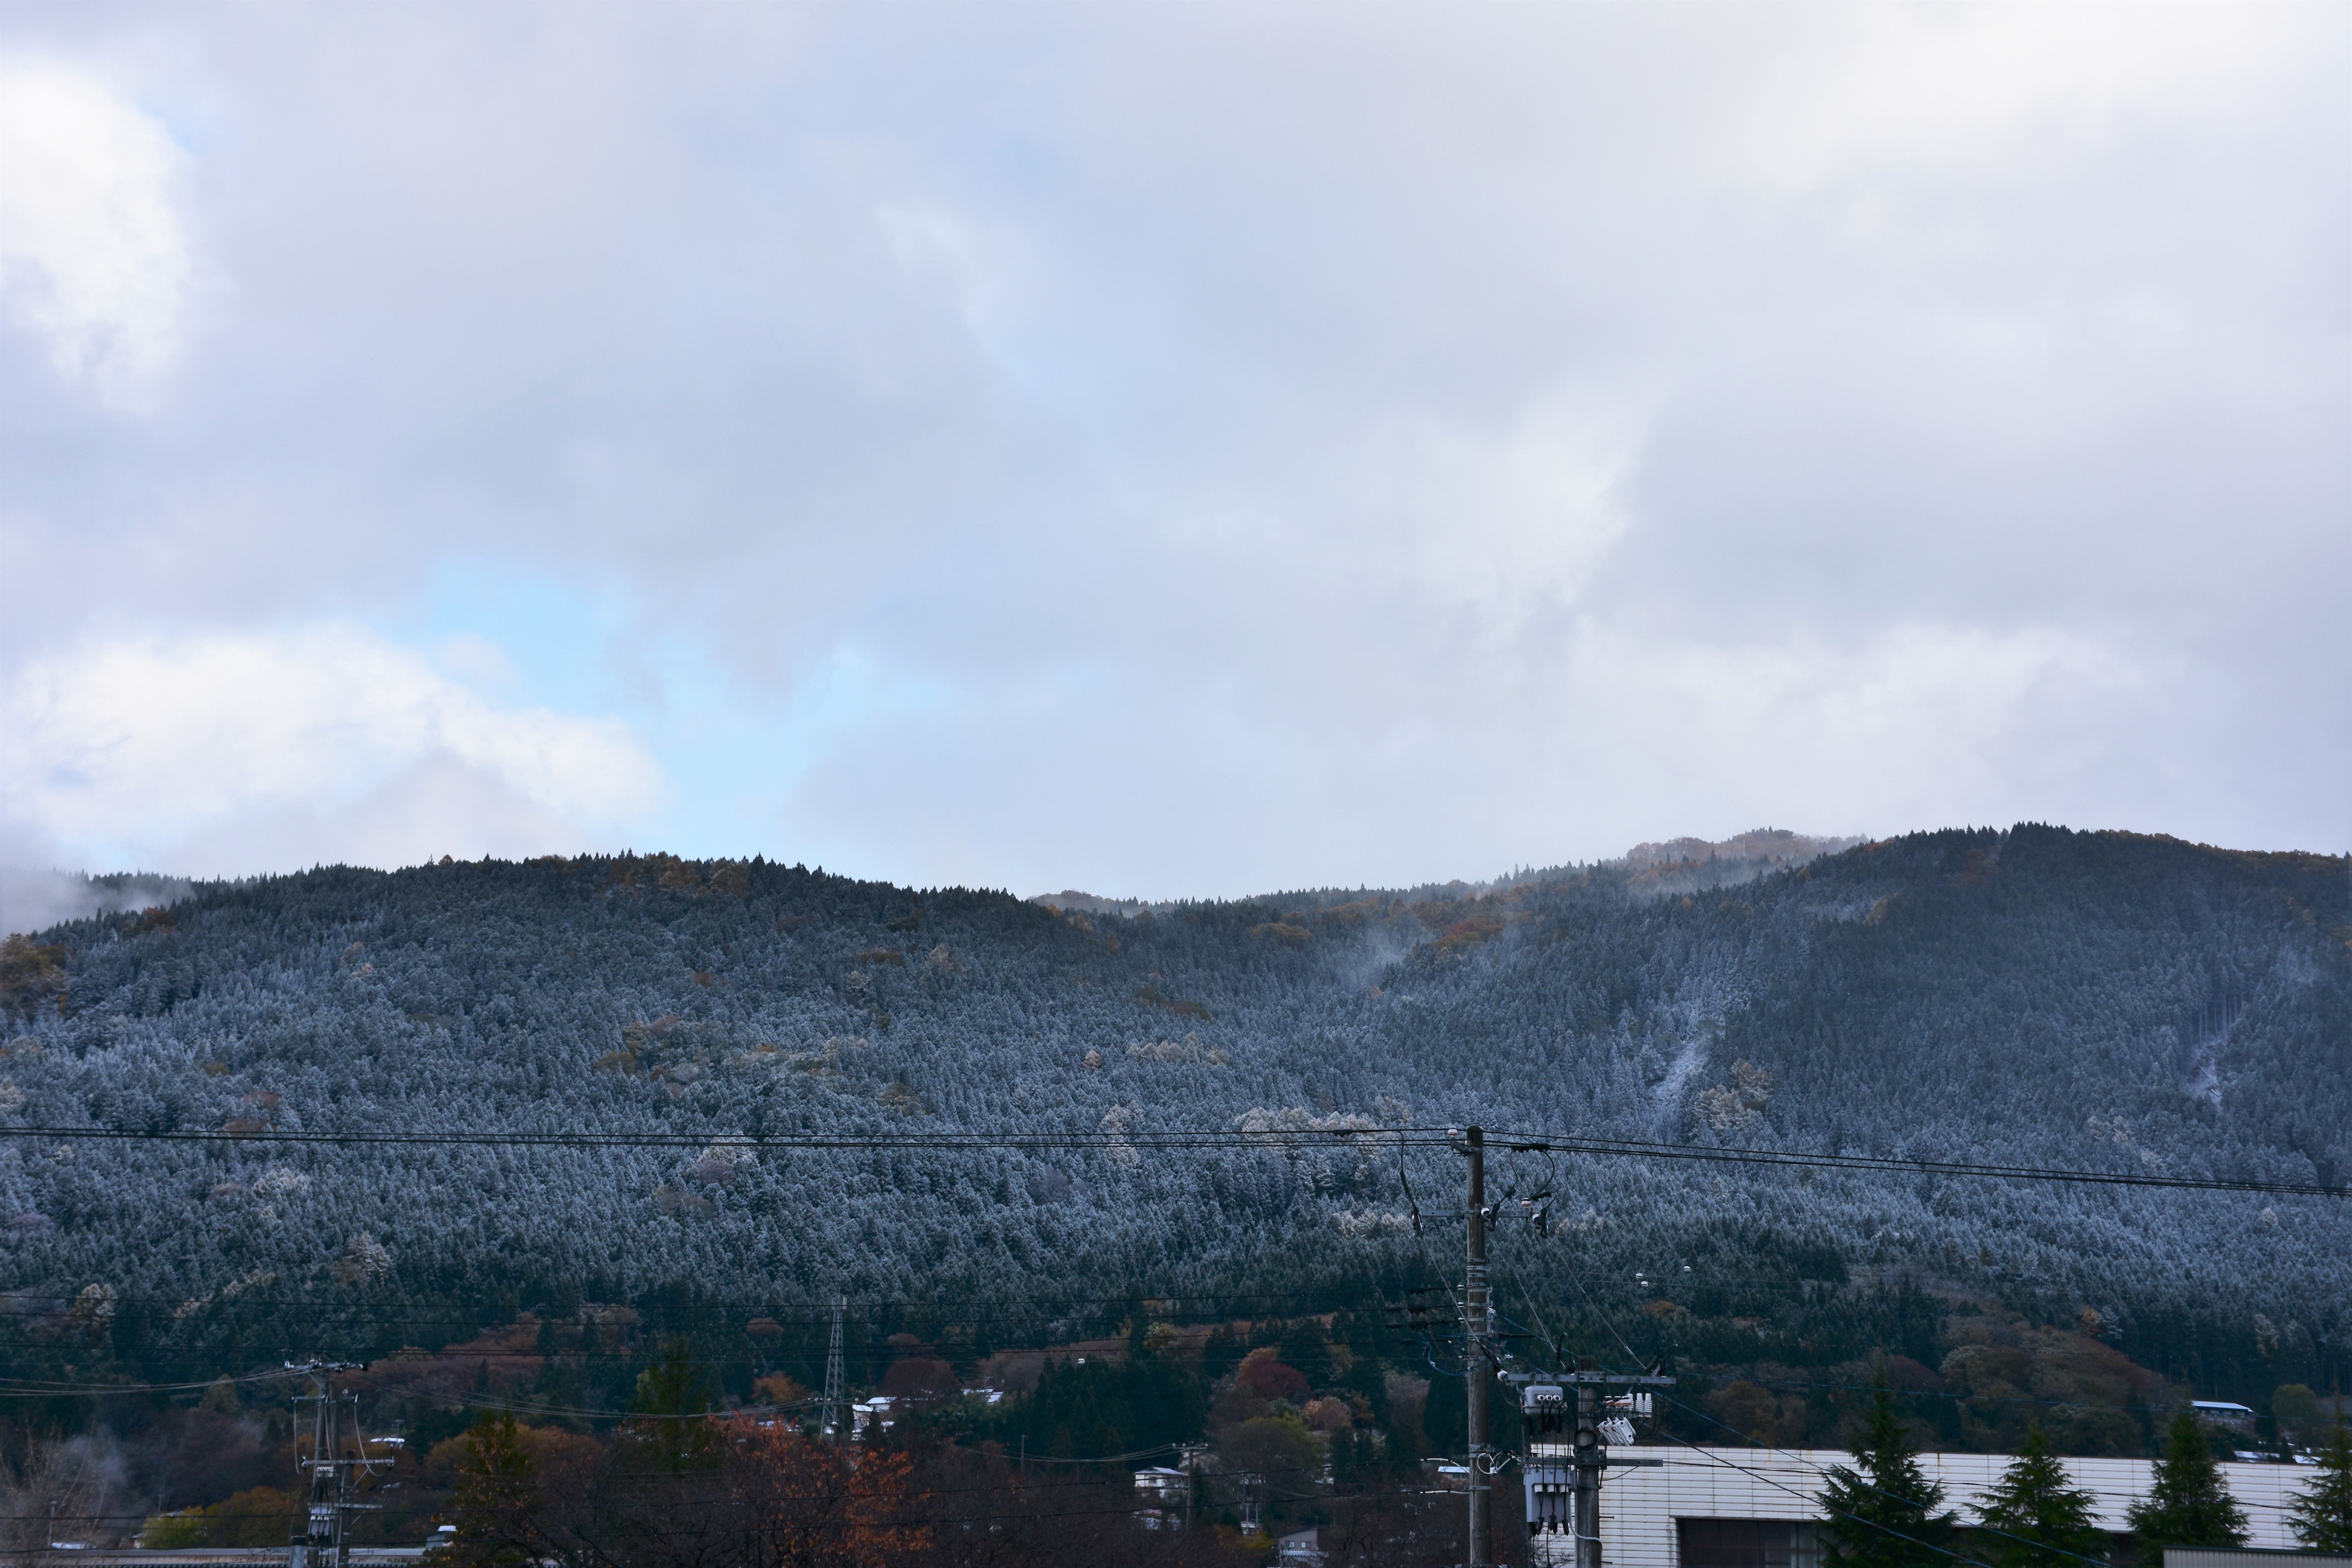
(1602, 422)
(151, 747)
(1537, 751)
(1503, 521)
(1922, 721)
(476, 661)
(93, 254)
(1899, 91)
(33, 896)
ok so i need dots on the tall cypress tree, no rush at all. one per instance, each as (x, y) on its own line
(2321, 1517)
(2189, 1503)
(673, 1389)
(1446, 1416)
(1882, 1510)
(497, 1498)
(2045, 1520)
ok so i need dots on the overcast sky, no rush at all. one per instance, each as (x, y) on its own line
(1167, 451)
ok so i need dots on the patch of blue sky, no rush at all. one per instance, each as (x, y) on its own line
(731, 753)
(734, 756)
(557, 636)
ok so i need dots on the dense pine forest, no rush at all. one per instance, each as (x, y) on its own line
(2036, 996)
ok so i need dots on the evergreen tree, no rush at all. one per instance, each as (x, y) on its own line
(1220, 1354)
(2321, 1517)
(1401, 1449)
(1445, 1419)
(617, 993)
(1882, 1509)
(1303, 1347)
(1351, 1460)
(677, 1383)
(2188, 1504)
(670, 1393)
(2045, 1520)
(497, 1498)
(1369, 1378)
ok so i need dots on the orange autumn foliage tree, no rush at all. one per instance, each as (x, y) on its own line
(805, 1505)
(751, 1497)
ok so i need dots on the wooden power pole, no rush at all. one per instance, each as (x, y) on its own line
(1473, 1311)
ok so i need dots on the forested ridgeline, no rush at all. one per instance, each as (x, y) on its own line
(2037, 997)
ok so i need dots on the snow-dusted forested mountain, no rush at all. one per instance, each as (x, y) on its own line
(2034, 996)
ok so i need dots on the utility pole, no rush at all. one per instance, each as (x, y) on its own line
(834, 1411)
(321, 1537)
(1251, 1524)
(1565, 1430)
(1473, 1311)
(1590, 1458)
(313, 1542)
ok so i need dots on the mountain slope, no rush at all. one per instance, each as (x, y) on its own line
(2036, 996)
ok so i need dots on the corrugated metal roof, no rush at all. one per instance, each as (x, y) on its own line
(2248, 1557)
(1639, 1506)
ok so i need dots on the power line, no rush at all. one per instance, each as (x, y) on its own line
(521, 1405)
(1539, 1142)
(34, 1389)
(1030, 1331)
(984, 1141)
(1085, 1484)
(1286, 1140)
(903, 1521)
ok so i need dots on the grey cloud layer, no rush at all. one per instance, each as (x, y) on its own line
(1304, 443)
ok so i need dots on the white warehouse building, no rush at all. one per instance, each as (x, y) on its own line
(1747, 1507)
